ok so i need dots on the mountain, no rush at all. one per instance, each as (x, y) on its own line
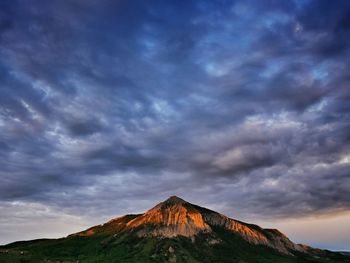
(172, 231)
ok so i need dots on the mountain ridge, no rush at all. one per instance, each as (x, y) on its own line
(177, 217)
(172, 231)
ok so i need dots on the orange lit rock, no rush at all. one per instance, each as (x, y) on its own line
(176, 217)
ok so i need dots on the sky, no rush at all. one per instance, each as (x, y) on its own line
(108, 107)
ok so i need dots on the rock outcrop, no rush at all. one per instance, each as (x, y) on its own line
(176, 217)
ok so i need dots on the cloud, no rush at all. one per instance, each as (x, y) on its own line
(239, 105)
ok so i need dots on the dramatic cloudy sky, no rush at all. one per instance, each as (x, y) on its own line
(108, 107)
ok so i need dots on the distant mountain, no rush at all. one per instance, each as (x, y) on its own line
(172, 231)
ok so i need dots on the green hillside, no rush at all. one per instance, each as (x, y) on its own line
(129, 248)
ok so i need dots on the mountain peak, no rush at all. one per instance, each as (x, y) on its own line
(205, 234)
(177, 217)
(170, 218)
(174, 200)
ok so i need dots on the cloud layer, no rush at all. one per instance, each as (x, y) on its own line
(109, 106)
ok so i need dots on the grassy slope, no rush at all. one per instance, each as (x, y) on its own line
(127, 249)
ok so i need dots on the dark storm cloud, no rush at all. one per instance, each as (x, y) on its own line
(78, 127)
(329, 25)
(127, 100)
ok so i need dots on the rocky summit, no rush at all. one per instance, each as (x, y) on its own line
(172, 231)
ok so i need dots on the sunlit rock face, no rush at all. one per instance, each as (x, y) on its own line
(171, 218)
(251, 233)
(176, 217)
(113, 226)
